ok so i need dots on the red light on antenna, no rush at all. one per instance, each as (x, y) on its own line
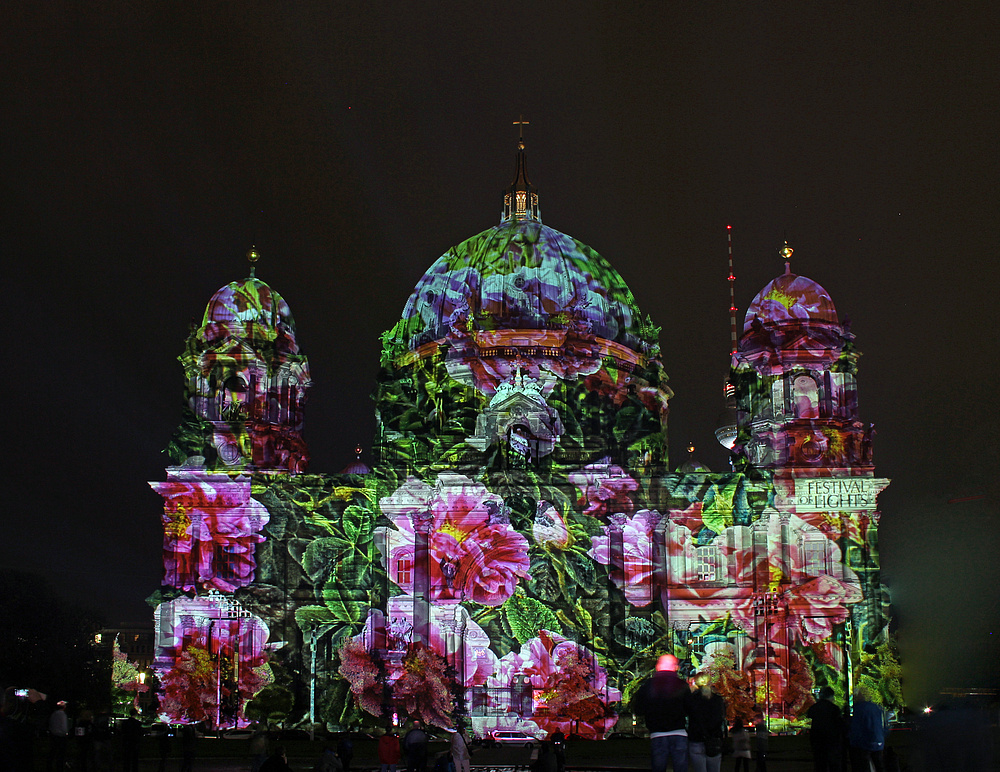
(729, 227)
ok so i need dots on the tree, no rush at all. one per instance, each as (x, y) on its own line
(48, 645)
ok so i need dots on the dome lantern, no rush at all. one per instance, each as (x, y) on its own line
(520, 200)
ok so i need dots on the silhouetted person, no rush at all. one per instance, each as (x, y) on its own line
(706, 728)
(741, 747)
(131, 733)
(826, 734)
(867, 734)
(103, 742)
(415, 745)
(83, 732)
(276, 762)
(345, 751)
(58, 737)
(328, 761)
(189, 744)
(258, 749)
(546, 761)
(664, 700)
(559, 748)
(460, 755)
(388, 751)
(163, 747)
(762, 739)
(16, 735)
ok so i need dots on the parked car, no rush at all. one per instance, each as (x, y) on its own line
(237, 734)
(158, 729)
(512, 737)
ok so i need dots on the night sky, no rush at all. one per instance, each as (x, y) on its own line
(146, 145)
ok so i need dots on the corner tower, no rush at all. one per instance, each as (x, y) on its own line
(245, 384)
(794, 377)
(815, 546)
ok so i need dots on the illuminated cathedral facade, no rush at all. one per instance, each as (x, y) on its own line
(519, 552)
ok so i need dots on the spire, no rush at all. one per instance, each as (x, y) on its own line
(520, 200)
(732, 296)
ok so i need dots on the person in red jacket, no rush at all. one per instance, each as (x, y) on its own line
(388, 751)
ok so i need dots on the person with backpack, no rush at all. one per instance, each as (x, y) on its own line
(460, 755)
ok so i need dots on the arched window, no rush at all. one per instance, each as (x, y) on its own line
(806, 396)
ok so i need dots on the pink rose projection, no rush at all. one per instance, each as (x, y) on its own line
(604, 489)
(811, 600)
(570, 689)
(213, 659)
(475, 554)
(550, 528)
(414, 670)
(636, 571)
(211, 528)
(791, 297)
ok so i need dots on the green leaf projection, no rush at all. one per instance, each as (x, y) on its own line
(520, 552)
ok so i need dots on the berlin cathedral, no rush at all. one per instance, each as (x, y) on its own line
(519, 552)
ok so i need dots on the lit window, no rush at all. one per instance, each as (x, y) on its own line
(225, 565)
(814, 556)
(696, 642)
(707, 563)
(404, 571)
(806, 397)
(765, 604)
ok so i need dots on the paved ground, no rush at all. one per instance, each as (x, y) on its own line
(631, 756)
(788, 754)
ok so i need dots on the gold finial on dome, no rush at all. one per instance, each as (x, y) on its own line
(253, 256)
(786, 255)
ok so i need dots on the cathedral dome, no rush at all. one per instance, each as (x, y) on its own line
(249, 308)
(522, 275)
(791, 298)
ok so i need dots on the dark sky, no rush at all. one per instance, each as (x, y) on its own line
(146, 145)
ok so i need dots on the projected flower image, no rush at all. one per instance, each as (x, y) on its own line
(211, 527)
(217, 662)
(474, 555)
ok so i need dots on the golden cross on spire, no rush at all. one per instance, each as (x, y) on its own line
(520, 123)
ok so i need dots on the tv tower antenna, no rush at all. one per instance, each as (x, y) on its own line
(732, 295)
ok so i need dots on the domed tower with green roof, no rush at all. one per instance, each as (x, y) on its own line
(521, 348)
(794, 378)
(245, 383)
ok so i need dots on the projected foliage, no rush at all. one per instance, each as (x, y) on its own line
(519, 555)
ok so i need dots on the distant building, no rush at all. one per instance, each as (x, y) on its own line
(519, 552)
(136, 643)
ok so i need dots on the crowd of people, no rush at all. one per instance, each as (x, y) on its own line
(686, 720)
(688, 727)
